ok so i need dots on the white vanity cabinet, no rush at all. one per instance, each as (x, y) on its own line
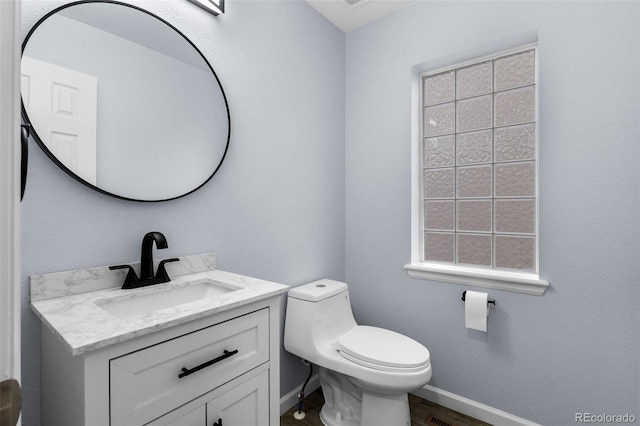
(221, 367)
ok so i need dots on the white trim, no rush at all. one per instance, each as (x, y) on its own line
(498, 280)
(9, 190)
(470, 408)
(537, 163)
(430, 393)
(290, 399)
(416, 164)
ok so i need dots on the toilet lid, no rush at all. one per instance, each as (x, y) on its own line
(382, 347)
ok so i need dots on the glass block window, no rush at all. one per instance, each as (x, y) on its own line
(479, 173)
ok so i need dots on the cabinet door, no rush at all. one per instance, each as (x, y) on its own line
(246, 404)
(195, 417)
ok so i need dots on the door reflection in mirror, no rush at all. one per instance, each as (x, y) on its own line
(123, 102)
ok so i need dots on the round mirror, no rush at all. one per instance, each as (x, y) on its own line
(123, 102)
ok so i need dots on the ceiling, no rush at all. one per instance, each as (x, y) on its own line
(351, 14)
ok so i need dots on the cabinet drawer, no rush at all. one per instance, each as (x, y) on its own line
(146, 384)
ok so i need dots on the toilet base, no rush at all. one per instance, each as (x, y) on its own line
(385, 410)
(342, 404)
(347, 405)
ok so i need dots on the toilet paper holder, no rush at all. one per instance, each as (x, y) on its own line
(464, 295)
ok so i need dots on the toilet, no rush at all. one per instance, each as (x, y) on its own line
(365, 372)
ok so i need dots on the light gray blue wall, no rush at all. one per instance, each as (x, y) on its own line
(544, 358)
(275, 210)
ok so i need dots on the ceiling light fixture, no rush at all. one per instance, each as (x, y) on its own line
(352, 4)
(216, 7)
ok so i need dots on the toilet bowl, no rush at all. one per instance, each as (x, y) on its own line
(365, 372)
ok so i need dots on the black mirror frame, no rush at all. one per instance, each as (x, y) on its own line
(55, 160)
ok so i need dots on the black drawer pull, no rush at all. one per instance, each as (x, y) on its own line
(186, 371)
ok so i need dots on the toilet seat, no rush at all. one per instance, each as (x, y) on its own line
(382, 349)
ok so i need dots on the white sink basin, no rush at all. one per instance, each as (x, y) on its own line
(143, 303)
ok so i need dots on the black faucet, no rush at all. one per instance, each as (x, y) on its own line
(146, 264)
(146, 256)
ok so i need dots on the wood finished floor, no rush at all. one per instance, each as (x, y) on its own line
(423, 413)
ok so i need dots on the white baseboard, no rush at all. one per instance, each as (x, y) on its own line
(290, 399)
(430, 393)
(471, 408)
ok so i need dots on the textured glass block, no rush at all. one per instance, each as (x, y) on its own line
(474, 148)
(439, 183)
(439, 215)
(474, 249)
(517, 216)
(515, 252)
(473, 114)
(515, 143)
(439, 152)
(438, 247)
(515, 179)
(474, 216)
(474, 80)
(474, 182)
(439, 88)
(440, 120)
(515, 71)
(515, 106)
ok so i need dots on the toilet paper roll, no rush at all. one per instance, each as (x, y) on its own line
(476, 310)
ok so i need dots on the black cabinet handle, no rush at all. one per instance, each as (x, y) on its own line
(218, 423)
(186, 371)
(24, 161)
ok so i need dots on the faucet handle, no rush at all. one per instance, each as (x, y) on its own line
(131, 279)
(161, 274)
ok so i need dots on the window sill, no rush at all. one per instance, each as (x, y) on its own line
(518, 282)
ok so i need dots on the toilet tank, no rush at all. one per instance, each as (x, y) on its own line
(317, 290)
(317, 314)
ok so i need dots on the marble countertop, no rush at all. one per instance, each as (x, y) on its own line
(83, 326)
